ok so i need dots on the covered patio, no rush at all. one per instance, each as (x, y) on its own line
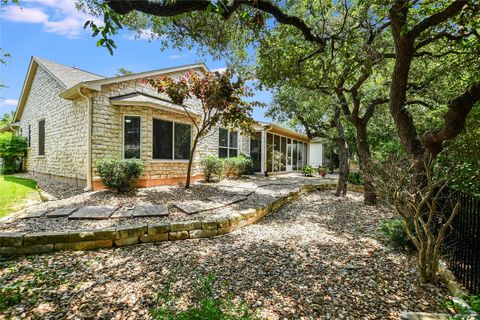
(278, 150)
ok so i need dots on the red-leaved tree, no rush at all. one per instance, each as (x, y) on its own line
(221, 103)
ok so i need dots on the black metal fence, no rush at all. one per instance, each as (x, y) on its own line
(462, 243)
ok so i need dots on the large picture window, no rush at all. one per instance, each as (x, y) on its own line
(131, 137)
(171, 140)
(227, 143)
(41, 137)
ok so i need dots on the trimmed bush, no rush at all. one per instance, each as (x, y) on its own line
(211, 166)
(119, 175)
(236, 166)
(308, 171)
(395, 232)
(249, 167)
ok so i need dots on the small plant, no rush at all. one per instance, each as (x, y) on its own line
(236, 166)
(211, 166)
(119, 174)
(474, 302)
(308, 171)
(206, 306)
(395, 232)
(355, 178)
(322, 171)
(461, 310)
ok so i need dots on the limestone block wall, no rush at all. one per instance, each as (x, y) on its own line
(107, 133)
(65, 130)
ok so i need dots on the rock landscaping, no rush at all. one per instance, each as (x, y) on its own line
(319, 257)
(46, 230)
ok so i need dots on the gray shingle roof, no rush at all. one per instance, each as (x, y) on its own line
(68, 75)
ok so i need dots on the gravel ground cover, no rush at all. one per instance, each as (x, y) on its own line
(317, 258)
(264, 191)
(53, 188)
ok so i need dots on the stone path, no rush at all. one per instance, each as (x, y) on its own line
(229, 193)
(93, 212)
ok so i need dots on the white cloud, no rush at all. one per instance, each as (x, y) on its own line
(56, 16)
(6, 105)
(10, 102)
(176, 56)
(29, 15)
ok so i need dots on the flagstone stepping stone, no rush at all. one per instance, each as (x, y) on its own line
(128, 213)
(150, 211)
(194, 206)
(34, 214)
(93, 212)
(237, 191)
(227, 199)
(64, 212)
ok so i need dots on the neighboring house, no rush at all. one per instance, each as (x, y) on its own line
(73, 118)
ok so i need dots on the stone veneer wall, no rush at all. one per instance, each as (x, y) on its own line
(65, 130)
(107, 131)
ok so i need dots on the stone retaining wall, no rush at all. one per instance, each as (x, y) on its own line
(41, 242)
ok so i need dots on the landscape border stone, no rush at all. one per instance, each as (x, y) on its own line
(19, 243)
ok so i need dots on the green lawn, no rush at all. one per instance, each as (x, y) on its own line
(14, 193)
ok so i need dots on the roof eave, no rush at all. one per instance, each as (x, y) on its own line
(32, 67)
(72, 93)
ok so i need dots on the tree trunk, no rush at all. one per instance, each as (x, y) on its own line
(370, 195)
(190, 162)
(343, 169)
(343, 155)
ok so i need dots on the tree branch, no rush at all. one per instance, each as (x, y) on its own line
(168, 9)
(435, 19)
(458, 110)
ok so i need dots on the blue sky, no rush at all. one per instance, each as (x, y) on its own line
(53, 30)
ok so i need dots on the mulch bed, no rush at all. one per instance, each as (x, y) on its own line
(318, 258)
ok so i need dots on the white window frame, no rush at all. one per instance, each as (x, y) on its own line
(123, 135)
(228, 142)
(173, 140)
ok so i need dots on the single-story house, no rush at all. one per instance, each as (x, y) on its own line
(74, 118)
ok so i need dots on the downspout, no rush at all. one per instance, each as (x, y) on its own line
(89, 140)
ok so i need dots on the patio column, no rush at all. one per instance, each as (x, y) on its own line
(263, 154)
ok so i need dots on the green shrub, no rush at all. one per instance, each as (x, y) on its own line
(308, 171)
(395, 232)
(249, 167)
(119, 174)
(474, 302)
(211, 166)
(12, 149)
(206, 306)
(236, 166)
(355, 178)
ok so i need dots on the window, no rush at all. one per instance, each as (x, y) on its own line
(131, 138)
(29, 136)
(227, 143)
(182, 141)
(41, 138)
(171, 140)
